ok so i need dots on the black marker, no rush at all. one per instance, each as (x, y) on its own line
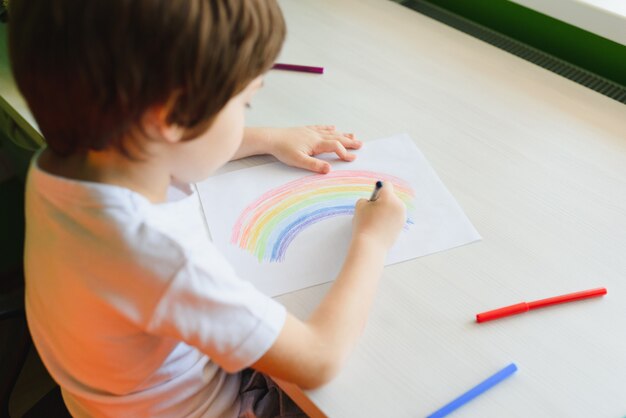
(376, 192)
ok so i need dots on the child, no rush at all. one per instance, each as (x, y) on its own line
(132, 309)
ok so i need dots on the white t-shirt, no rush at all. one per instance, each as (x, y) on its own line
(133, 310)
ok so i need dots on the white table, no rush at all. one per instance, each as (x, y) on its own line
(539, 165)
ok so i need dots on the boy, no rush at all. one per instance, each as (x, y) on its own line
(132, 309)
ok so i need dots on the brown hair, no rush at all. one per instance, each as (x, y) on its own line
(89, 69)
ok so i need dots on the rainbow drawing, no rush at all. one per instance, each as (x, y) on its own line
(270, 223)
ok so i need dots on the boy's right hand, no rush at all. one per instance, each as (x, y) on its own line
(309, 353)
(382, 219)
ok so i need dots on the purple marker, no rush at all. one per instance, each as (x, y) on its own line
(301, 68)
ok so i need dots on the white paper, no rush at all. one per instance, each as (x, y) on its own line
(317, 250)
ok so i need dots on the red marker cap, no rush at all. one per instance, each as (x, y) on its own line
(518, 308)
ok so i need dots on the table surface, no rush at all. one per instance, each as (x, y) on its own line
(537, 162)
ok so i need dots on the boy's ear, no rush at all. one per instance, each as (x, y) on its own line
(156, 125)
(172, 133)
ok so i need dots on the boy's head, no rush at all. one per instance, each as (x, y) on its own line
(91, 69)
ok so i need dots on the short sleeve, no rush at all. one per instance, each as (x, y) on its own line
(207, 306)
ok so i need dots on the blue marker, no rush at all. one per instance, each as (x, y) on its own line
(475, 391)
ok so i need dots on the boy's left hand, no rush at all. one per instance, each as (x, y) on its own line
(298, 147)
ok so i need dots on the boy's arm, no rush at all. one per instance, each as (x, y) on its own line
(309, 353)
(298, 146)
(256, 141)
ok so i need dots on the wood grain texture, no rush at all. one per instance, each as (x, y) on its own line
(539, 165)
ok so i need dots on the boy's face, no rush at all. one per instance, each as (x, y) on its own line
(196, 159)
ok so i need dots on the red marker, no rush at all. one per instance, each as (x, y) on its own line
(527, 306)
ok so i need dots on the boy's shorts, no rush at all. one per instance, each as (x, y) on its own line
(262, 398)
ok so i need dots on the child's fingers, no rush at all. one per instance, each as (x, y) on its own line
(323, 128)
(360, 203)
(347, 140)
(336, 147)
(330, 133)
(314, 164)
